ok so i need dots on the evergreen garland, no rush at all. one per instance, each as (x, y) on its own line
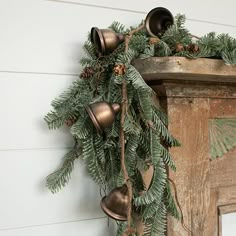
(146, 135)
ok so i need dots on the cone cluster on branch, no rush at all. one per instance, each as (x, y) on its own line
(154, 41)
(179, 47)
(70, 121)
(87, 72)
(193, 48)
(119, 69)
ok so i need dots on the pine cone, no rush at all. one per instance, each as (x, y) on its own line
(193, 48)
(154, 41)
(119, 69)
(179, 47)
(87, 72)
(70, 121)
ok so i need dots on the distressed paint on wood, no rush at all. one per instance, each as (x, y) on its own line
(197, 90)
(192, 97)
(223, 170)
(184, 69)
(226, 209)
(222, 132)
(189, 123)
(223, 108)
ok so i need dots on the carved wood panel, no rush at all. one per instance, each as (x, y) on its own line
(203, 184)
(199, 97)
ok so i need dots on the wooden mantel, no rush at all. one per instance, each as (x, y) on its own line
(154, 69)
(199, 96)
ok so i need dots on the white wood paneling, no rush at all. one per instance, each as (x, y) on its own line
(25, 201)
(96, 227)
(46, 36)
(42, 36)
(25, 99)
(204, 10)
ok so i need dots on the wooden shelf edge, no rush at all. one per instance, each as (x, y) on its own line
(179, 69)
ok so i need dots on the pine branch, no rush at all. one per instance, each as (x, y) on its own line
(149, 51)
(61, 177)
(157, 224)
(112, 168)
(124, 107)
(55, 120)
(130, 153)
(162, 49)
(90, 50)
(117, 27)
(135, 140)
(73, 95)
(156, 189)
(94, 167)
(121, 228)
(229, 56)
(81, 129)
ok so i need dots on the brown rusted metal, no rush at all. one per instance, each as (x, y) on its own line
(102, 114)
(105, 40)
(157, 21)
(115, 204)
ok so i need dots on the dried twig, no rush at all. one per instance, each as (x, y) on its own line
(129, 36)
(124, 107)
(194, 36)
(181, 212)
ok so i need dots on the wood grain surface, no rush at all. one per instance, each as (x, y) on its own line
(154, 69)
(194, 92)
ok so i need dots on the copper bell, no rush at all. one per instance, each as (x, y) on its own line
(105, 40)
(102, 114)
(158, 20)
(115, 204)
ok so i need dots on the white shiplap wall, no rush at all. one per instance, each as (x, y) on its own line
(40, 47)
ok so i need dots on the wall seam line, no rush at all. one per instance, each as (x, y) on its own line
(35, 149)
(37, 73)
(56, 223)
(133, 11)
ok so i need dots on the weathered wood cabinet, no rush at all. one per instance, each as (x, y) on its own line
(199, 96)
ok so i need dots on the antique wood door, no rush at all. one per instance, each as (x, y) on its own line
(200, 99)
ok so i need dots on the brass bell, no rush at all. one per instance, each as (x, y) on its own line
(115, 204)
(157, 21)
(102, 114)
(105, 40)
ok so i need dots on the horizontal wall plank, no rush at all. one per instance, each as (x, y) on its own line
(97, 227)
(25, 99)
(41, 36)
(46, 36)
(25, 201)
(198, 11)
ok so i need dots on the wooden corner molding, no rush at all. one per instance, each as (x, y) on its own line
(222, 133)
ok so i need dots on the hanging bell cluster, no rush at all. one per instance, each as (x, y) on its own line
(156, 23)
(103, 114)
